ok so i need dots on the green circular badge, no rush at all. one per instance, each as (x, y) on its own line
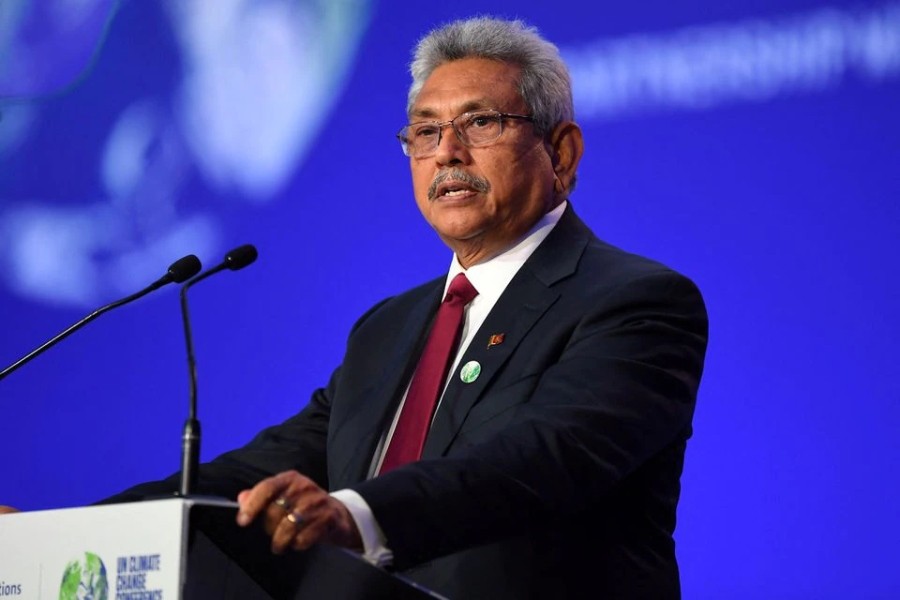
(470, 371)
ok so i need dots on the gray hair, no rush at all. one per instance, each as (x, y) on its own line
(545, 85)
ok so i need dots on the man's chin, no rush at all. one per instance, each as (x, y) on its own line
(470, 246)
(459, 235)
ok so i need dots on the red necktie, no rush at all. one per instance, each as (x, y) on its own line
(428, 381)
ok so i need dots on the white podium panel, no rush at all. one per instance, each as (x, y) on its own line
(124, 552)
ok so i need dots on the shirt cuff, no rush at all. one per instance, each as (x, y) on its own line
(374, 543)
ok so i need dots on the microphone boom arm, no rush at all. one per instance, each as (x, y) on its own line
(179, 271)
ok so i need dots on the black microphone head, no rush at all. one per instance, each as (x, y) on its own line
(240, 257)
(184, 268)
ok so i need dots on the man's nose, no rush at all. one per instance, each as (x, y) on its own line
(450, 149)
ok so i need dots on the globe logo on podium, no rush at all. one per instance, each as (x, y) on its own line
(85, 580)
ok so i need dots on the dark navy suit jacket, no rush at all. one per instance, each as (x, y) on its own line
(556, 472)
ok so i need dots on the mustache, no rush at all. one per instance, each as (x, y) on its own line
(458, 175)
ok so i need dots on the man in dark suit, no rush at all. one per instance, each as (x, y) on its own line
(545, 460)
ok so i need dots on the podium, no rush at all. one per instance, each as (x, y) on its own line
(174, 549)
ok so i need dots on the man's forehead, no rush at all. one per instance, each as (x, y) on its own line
(468, 84)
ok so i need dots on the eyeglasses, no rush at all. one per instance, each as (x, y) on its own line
(420, 140)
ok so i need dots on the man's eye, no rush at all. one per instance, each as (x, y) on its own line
(426, 132)
(480, 121)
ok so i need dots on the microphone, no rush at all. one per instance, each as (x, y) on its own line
(181, 270)
(235, 260)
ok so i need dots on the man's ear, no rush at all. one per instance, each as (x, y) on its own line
(566, 146)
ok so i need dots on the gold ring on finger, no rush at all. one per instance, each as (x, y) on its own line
(294, 518)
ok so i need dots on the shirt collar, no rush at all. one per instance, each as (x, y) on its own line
(491, 277)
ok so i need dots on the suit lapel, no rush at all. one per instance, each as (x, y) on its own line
(527, 297)
(356, 438)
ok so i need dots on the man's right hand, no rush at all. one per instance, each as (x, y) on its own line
(5, 510)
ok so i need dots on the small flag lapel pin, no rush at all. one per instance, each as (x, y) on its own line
(496, 339)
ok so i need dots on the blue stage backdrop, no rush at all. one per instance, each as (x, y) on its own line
(754, 146)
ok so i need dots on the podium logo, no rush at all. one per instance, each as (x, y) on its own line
(85, 580)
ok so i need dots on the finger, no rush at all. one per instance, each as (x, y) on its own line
(291, 487)
(322, 515)
(311, 534)
(259, 498)
(277, 510)
(309, 511)
(289, 527)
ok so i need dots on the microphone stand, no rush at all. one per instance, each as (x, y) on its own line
(190, 437)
